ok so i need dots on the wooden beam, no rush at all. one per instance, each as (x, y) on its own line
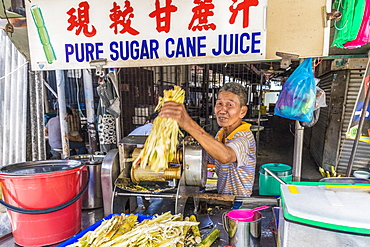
(217, 199)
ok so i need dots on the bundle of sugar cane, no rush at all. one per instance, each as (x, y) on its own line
(109, 229)
(163, 230)
(124, 230)
(161, 144)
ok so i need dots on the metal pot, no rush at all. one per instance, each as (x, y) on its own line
(243, 227)
(93, 197)
(195, 170)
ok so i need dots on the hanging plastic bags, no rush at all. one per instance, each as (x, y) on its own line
(347, 28)
(319, 102)
(297, 98)
(363, 36)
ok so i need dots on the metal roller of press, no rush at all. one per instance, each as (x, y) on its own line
(185, 176)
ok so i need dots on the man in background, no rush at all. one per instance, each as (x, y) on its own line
(53, 131)
(146, 128)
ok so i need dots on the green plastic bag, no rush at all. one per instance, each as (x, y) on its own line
(347, 28)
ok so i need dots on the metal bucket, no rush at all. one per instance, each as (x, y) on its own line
(93, 197)
(243, 232)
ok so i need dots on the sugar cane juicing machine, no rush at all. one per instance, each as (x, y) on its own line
(184, 178)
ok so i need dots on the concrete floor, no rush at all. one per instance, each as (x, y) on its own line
(276, 145)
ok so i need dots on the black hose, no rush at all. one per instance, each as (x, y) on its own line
(48, 210)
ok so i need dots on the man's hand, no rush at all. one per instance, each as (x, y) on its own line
(177, 112)
(216, 149)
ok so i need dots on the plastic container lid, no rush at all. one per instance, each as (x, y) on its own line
(242, 215)
(361, 174)
(39, 167)
(330, 206)
(277, 168)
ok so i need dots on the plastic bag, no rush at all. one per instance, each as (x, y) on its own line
(297, 98)
(347, 28)
(320, 98)
(108, 94)
(320, 102)
(315, 118)
(363, 35)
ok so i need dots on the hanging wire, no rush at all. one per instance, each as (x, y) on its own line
(340, 5)
(319, 61)
(78, 94)
(316, 64)
(8, 27)
(335, 25)
(50, 88)
(1, 78)
(6, 16)
(335, 22)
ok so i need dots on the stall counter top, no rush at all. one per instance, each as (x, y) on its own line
(268, 239)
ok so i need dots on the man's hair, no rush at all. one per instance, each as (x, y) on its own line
(69, 111)
(238, 89)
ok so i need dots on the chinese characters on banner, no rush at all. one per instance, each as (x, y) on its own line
(81, 21)
(129, 33)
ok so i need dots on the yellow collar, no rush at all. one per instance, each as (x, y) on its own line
(243, 127)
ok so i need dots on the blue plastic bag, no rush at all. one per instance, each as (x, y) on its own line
(298, 95)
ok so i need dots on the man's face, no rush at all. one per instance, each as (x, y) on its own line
(228, 110)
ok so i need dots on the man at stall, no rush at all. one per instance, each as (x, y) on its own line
(53, 131)
(145, 129)
(233, 149)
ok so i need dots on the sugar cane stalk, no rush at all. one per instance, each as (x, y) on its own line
(208, 241)
(195, 229)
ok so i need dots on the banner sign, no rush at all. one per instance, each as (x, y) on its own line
(70, 34)
(359, 108)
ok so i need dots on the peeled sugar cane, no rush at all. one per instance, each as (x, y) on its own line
(195, 229)
(208, 241)
(161, 145)
(125, 231)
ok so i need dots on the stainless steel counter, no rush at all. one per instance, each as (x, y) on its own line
(267, 239)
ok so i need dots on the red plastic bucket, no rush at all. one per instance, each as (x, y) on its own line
(38, 187)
